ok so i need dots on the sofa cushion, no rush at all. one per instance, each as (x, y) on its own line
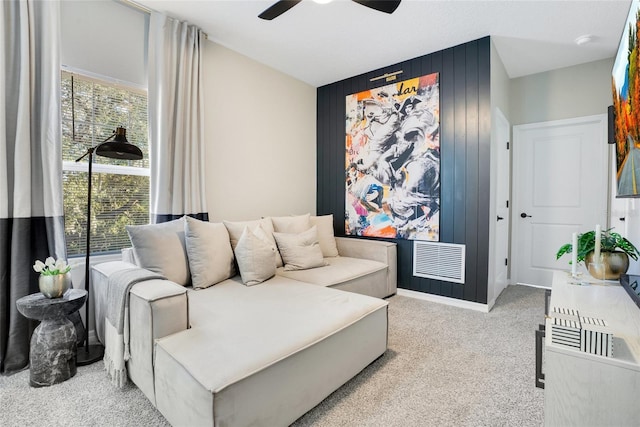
(236, 228)
(161, 249)
(209, 251)
(337, 271)
(326, 238)
(256, 257)
(300, 251)
(291, 224)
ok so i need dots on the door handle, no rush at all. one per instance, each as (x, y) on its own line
(524, 215)
(500, 218)
(622, 219)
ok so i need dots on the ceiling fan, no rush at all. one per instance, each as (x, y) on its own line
(280, 7)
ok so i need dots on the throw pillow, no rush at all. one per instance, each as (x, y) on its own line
(300, 251)
(236, 229)
(161, 249)
(326, 237)
(209, 251)
(291, 224)
(256, 258)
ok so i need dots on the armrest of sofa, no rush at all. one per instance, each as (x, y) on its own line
(128, 255)
(375, 250)
(157, 308)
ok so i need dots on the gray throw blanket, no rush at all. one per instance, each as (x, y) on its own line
(116, 351)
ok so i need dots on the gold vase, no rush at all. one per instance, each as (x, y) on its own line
(613, 264)
(54, 286)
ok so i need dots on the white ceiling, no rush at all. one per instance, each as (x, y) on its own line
(321, 44)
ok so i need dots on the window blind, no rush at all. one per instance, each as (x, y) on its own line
(91, 110)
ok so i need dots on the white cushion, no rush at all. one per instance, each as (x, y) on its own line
(339, 270)
(291, 224)
(209, 251)
(256, 258)
(326, 237)
(300, 251)
(161, 249)
(236, 228)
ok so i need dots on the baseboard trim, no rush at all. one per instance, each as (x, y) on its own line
(446, 300)
(533, 286)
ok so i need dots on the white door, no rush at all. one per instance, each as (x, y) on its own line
(502, 187)
(560, 186)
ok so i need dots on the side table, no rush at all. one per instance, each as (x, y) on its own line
(53, 343)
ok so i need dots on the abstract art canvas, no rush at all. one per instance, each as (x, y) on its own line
(392, 175)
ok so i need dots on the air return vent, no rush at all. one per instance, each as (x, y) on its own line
(441, 261)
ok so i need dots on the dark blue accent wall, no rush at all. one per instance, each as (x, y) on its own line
(465, 125)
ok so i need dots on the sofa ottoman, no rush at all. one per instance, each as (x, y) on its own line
(249, 360)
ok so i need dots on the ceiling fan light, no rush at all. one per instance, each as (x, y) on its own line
(323, 1)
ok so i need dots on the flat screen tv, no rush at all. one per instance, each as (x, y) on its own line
(626, 106)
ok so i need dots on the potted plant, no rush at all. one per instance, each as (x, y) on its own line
(55, 277)
(615, 251)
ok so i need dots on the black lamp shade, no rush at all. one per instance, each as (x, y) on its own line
(119, 147)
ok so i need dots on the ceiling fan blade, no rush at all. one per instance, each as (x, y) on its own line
(386, 6)
(277, 9)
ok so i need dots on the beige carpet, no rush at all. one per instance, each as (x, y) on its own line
(445, 366)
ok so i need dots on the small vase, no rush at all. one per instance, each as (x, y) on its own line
(614, 263)
(54, 286)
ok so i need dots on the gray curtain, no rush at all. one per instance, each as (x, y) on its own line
(176, 120)
(31, 213)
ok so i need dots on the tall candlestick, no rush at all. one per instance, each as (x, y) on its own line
(596, 249)
(574, 254)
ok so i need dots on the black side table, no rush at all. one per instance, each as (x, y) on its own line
(53, 343)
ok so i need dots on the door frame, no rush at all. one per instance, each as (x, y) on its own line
(518, 130)
(495, 288)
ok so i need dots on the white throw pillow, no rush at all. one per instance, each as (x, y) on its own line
(161, 249)
(291, 224)
(300, 251)
(256, 258)
(209, 251)
(236, 228)
(326, 237)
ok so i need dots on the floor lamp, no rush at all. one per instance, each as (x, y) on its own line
(118, 148)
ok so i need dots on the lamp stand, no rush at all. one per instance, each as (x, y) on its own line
(119, 148)
(90, 353)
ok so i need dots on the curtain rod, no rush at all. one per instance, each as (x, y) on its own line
(135, 5)
(145, 9)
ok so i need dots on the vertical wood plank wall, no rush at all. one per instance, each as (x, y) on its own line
(465, 126)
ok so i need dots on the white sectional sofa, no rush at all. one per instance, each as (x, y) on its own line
(229, 354)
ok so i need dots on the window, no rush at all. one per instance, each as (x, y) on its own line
(91, 110)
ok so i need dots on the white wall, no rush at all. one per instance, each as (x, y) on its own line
(577, 91)
(261, 139)
(581, 90)
(500, 84)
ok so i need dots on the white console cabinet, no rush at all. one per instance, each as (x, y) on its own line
(588, 390)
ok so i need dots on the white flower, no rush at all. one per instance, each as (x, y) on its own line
(38, 266)
(51, 267)
(60, 265)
